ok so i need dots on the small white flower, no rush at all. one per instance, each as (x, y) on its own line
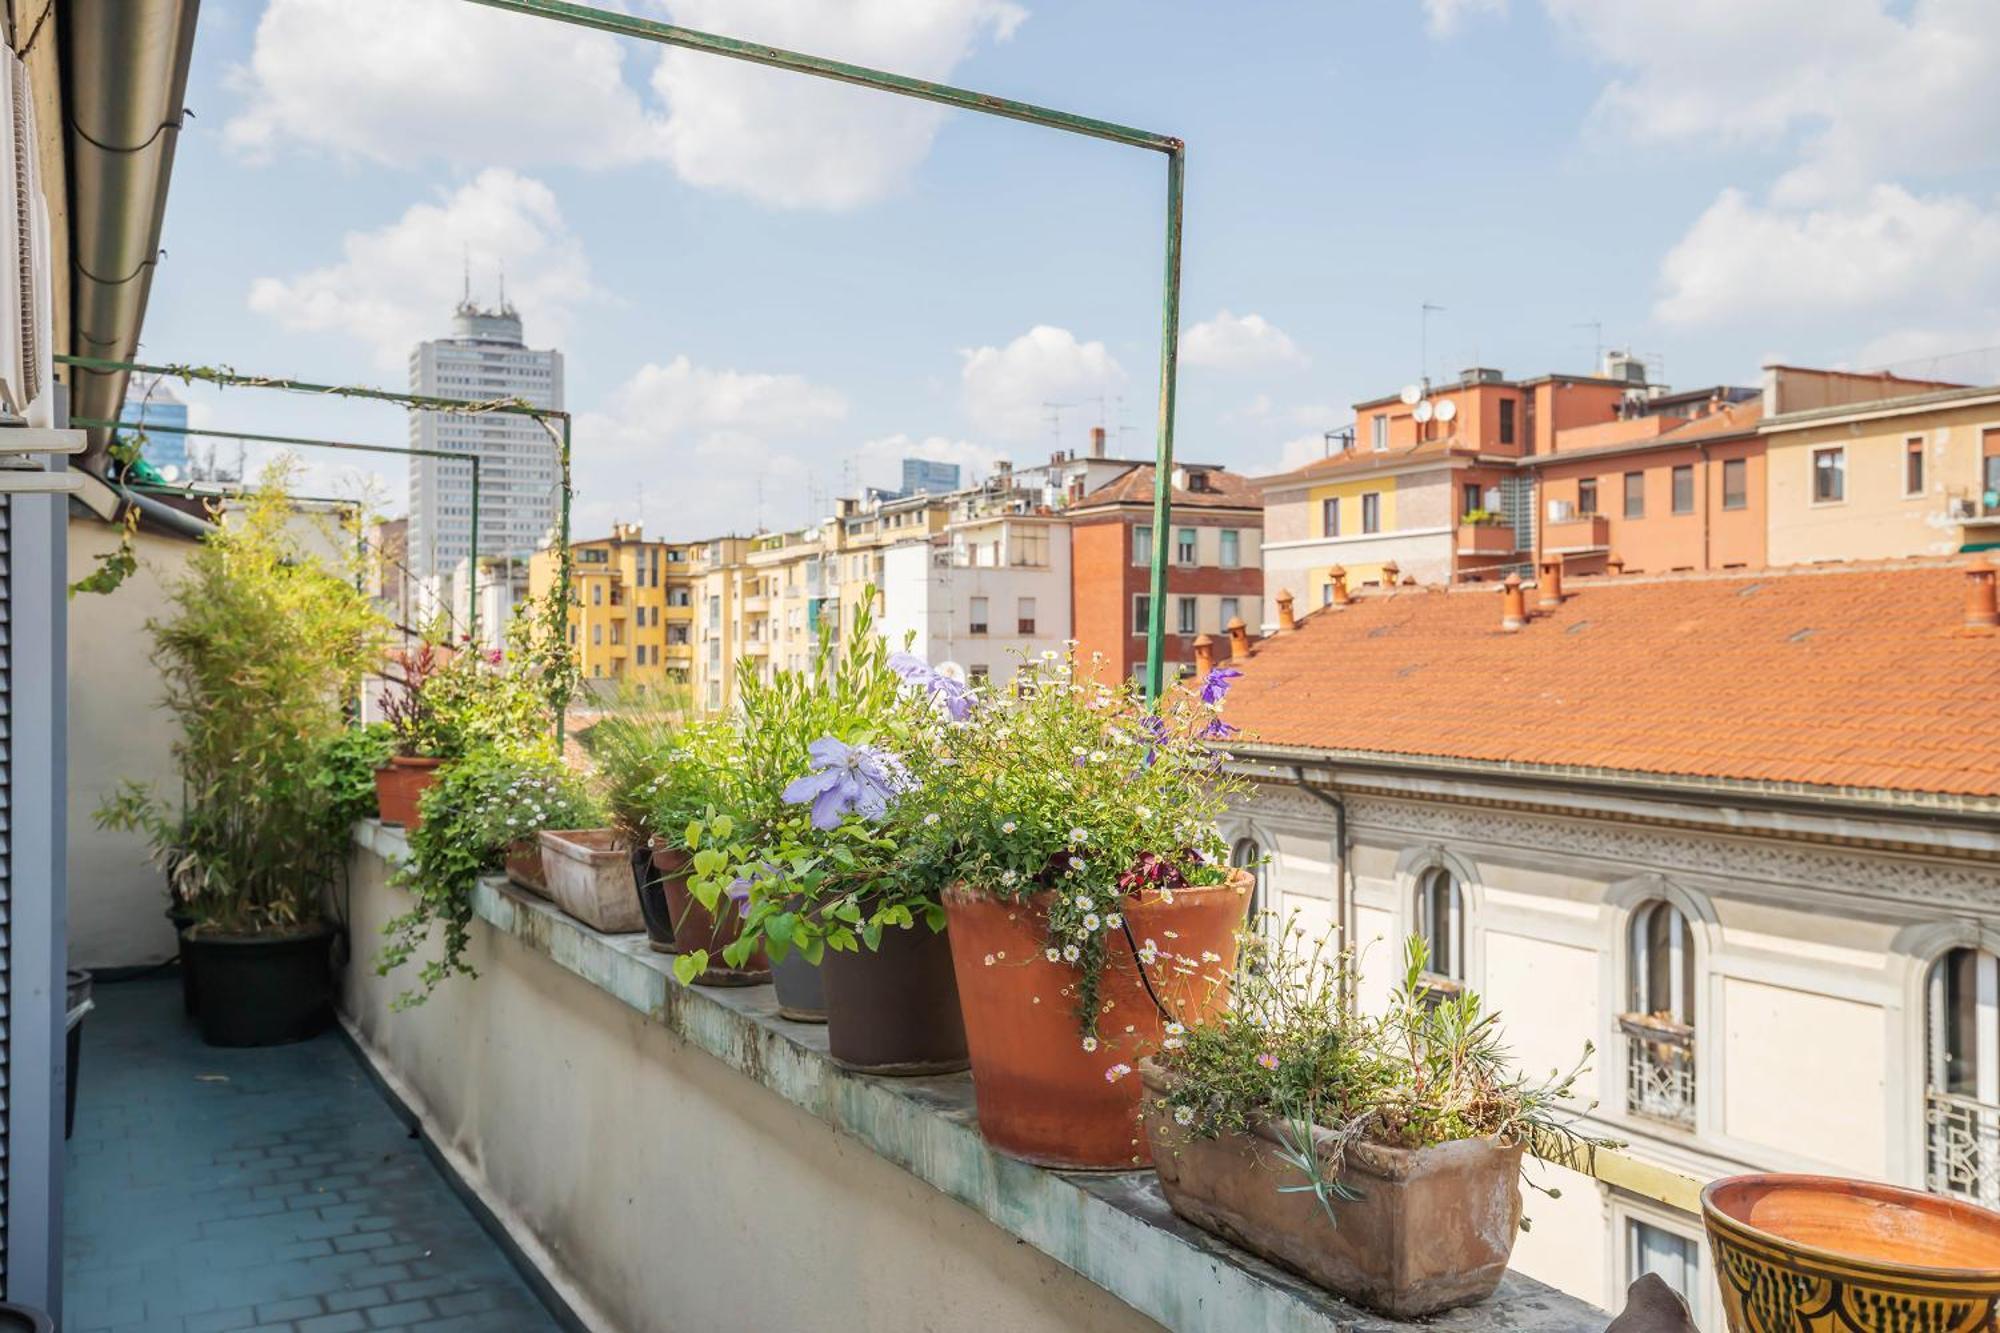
(1077, 863)
(1078, 751)
(1048, 655)
(1166, 895)
(1098, 756)
(1173, 1043)
(989, 960)
(1144, 812)
(1008, 827)
(1054, 955)
(1091, 921)
(1070, 953)
(1079, 835)
(930, 819)
(1090, 1043)
(1007, 877)
(1184, 1115)
(1114, 921)
(1083, 903)
(1175, 1030)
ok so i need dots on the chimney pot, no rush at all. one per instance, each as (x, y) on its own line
(1341, 597)
(1513, 606)
(1391, 573)
(1287, 620)
(1204, 654)
(1982, 609)
(1549, 583)
(1239, 637)
(1615, 565)
(1097, 441)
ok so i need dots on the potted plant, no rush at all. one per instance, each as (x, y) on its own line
(1378, 1158)
(1090, 904)
(266, 638)
(632, 748)
(420, 740)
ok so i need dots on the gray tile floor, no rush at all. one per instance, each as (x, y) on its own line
(270, 1189)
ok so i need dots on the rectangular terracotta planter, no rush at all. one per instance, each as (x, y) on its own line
(589, 874)
(1433, 1229)
(523, 862)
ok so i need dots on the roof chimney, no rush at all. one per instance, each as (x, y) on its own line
(1615, 566)
(1981, 609)
(1097, 441)
(1391, 572)
(1549, 583)
(1513, 606)
(1239, 638)
(1204, 654)
(1341, 597)
(1287, 621)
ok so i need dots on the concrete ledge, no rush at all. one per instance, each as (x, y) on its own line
(1114, 1229)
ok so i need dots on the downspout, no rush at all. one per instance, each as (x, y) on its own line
(1701, 450)
(1341, 848)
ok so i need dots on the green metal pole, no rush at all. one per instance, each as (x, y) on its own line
(472, 575)
(564, 571)
(1163, 458)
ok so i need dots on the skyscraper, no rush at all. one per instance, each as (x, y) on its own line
(155, 411)
(484, 358)
(922, 475)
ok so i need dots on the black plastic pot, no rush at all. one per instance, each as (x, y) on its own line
(801, 989)
(80, 1005)
(650, 880)
(895, 1011)
(261, 990)
(20, 1319)
(182, 919)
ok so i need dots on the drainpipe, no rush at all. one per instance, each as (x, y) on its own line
(1341, 848)
(1701, 451)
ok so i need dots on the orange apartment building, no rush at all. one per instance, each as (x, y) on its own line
(1216, 574)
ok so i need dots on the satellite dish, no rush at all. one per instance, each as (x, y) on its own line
(1424, 411)
(1447, 410)
(170, 473)
(1412, 394)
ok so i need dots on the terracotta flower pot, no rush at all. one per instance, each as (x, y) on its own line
(694, 928)
(895, 1010)
(1819, 1252)
(1433, 1227)
(523, 863)
(1042, 1096)
(589, 874)
(398, 786)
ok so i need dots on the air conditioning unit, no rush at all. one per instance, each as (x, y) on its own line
(26, 318)
(1561, 511)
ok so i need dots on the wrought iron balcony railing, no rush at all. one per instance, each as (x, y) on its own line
(1962, 1147)
(1659, 1068)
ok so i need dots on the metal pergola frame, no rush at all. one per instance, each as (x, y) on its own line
(965, 99)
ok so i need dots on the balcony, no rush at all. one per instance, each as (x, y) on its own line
(1579, 534)
(1485, 538)
(1962, 1148)
(1659, 1068)
(757, 605)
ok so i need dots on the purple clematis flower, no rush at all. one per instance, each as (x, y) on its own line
(1217, 730)
(952, 696)
(1216, 684)
(847, 779)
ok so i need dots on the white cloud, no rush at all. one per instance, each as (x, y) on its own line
(392, 284)
(800, 142)
(1005, 388)
(1445, 17)
(408, 81)
(1296, 453)
(1232, 342)
(1889, 251)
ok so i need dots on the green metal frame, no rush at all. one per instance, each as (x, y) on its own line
(667, 34)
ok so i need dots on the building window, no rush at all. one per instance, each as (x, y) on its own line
(1635, 495)
(1380, 429)
(1142, 613)
(1184, 547)
(1024, 618)
(1471, 498)
(978, 673)
(1659, 1025)
(1231, 609)
(1329, 517)
(1441, 925)
(1142, 544)
(1184, 615)
(1829, 475)
(1735, 483)
(1506, 421)
(1232, 548)
(1247, 855)
(1586, 495)
(1371, 512)
(597, 635)
(1962, 1082)
(1684, 489)
(597, 594)
(976, 622)
(1675, 1258)
(1913, 466)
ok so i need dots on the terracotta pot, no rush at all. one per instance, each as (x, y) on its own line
(1817, 1252)
(695, 929)
(1433, 1227)
(523, 863)
(1041, 1095)
(651, 876)
(398, 785)
(895, 1010)
(589, 874)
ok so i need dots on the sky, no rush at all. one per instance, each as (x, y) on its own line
(770, 289)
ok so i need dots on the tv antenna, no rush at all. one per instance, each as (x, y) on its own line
(1596, 327)
(1424, 340)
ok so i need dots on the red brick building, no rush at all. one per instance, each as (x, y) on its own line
(1215, 572)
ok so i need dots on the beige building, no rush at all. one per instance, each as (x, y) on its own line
(1739, 833)
(721, 588)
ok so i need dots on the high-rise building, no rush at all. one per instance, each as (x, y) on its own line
(922, 476)
(153, 410)
(483, 359)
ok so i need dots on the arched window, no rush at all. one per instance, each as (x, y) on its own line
(1247, 855)
(1962, 1083)
(1441, 924)
(1659, 1021)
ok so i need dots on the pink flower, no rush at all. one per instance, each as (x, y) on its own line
(1268, 1060)
(1116, 1072)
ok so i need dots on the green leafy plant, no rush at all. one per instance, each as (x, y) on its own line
(267, 640)
(344, 771)
(1294, 1054)
(445, 700)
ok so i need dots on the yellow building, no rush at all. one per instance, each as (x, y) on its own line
(861, 532)
(1912, 475)
(632, 611)
(721, 580)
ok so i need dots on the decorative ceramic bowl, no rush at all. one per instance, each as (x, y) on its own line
(1819, 1254)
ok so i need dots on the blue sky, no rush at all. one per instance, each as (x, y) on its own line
(768, 289)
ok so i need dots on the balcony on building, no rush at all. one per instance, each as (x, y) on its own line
(1576, 534)
(1486, 535)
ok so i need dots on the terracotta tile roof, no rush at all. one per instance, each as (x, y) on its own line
(1232, 490)
(1367, 460)
(1862, 677)
(1735, 419)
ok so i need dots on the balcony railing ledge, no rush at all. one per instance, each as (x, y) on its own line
(1115, 1229)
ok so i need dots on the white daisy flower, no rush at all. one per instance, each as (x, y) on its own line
(1079, 835)
(1083, 903)
(1054, 955)
(1090, 1043)
(1114, 921)
(1091, 921)
(930, 819)
(1184, 1115)
(1008, 827)
(1077, 863)
(1071, 953)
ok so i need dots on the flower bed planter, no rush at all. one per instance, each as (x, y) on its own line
(589, 875)
(694, 928)
(261, 990)
(400, 785)
(895, 1010)
(523, 862)
(1042, 1096)
(1811, 1252)
(1433, 1227)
